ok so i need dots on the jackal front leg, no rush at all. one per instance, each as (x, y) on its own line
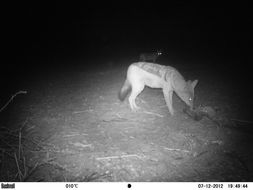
(167, 92)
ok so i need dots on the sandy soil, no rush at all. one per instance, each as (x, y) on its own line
(75, 129)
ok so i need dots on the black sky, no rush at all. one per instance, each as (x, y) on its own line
(42, 30)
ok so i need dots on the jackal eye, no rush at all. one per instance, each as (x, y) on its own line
(190, 99)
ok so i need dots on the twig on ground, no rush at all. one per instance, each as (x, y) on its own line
(12, 97)
(55, 164)
(152, 113)
(20, 138)
(9, 145)
(73, 135)
(94, 176)
(24, 165)
(30, 172)
(199, 154)
(20, 175)
(176, 149)
(19, 143)
(39, 144)
(118, 115)
(8, 130)
(114, 120)
(23, 125)
(81, 145)
(119, 157)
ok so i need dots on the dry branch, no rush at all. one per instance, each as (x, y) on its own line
(19, 144)
(118, 157)
(12, 97)
(156, 114)
(30, 172)
(20, 175)
(176, 149)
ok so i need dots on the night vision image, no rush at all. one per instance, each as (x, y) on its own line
(117, 92)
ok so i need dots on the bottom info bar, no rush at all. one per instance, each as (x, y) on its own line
(125, 185)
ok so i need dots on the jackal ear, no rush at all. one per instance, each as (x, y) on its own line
(194, 83)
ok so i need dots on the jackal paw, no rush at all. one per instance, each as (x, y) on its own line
(135, 109)
(172, 113)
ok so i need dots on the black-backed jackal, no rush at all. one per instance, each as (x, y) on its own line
(150, 56)
(153, 75)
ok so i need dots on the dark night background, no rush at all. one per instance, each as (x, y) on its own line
(47, 36)
(71, 58)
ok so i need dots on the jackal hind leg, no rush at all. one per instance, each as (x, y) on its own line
(168, 99)
(136, 90)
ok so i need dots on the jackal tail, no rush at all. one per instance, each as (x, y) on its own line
(126, 88)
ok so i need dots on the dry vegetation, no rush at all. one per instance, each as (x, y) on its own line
(72, 128)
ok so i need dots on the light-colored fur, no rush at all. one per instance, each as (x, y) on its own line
(143, 74)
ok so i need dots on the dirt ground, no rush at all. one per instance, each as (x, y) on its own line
(74, 128)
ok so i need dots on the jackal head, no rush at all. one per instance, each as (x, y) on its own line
(187, 94)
